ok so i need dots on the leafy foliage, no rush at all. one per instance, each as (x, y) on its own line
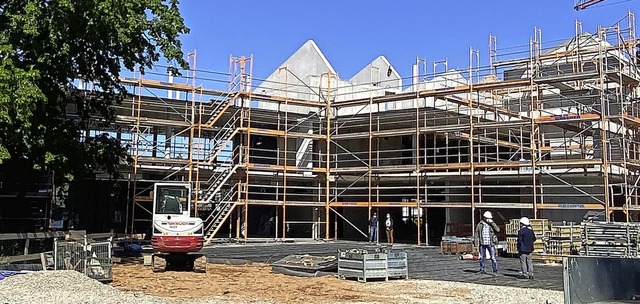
(44, 46)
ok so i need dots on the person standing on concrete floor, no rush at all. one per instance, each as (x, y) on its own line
(485, 239)
(526, 238)
(373, 228)
(389, 225)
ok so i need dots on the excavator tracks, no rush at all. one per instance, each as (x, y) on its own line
(159, 263)
(200, 264)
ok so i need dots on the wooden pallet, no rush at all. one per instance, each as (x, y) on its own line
(565, 232)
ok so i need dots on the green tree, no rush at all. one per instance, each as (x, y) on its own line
(44, 46)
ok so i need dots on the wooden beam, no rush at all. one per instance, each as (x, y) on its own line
(21, 258)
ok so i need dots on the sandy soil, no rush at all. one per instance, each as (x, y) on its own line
(255, 283)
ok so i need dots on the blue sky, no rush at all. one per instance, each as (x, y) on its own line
(352, 33)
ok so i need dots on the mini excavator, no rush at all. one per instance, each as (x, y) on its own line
(177, 236)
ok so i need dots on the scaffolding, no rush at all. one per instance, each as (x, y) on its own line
(538, 130)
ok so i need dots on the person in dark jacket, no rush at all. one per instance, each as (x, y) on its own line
(485, 239)
(373, 228)
(526, 238)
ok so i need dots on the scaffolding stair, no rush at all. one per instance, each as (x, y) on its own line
(226, 99)
(219, 108)
(222, 210)
(217, 180)
(224, 137)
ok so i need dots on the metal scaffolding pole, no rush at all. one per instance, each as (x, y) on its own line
(328, 154)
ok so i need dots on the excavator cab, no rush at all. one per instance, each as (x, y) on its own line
(172, 199)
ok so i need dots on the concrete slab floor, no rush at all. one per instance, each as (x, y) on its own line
(424, 262)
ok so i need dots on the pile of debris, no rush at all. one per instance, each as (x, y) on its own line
(306, 265)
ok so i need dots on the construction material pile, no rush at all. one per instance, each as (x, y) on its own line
(65, 286)
(563, 240)
(306, 265)
(540, 228)
(457, 245)
(610, 239)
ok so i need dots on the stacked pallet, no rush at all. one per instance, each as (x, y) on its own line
(540, 227)
(562, 240)
(610, 239)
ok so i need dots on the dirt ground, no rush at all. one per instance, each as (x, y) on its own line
(256, 282)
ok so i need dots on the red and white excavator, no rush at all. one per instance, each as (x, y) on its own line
(177, 236)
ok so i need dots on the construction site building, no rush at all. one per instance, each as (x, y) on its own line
(543, 131)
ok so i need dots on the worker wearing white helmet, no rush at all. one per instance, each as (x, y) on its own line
(526, 238)
(485, 239)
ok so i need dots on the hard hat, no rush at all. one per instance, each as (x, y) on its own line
(487, 214)
(525, 221)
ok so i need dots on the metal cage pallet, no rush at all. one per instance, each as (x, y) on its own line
(90, 258)
(382, 264)
(397, 265)
(362, 265)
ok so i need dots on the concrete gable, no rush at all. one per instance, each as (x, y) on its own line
(307, 61)
(381, 73)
